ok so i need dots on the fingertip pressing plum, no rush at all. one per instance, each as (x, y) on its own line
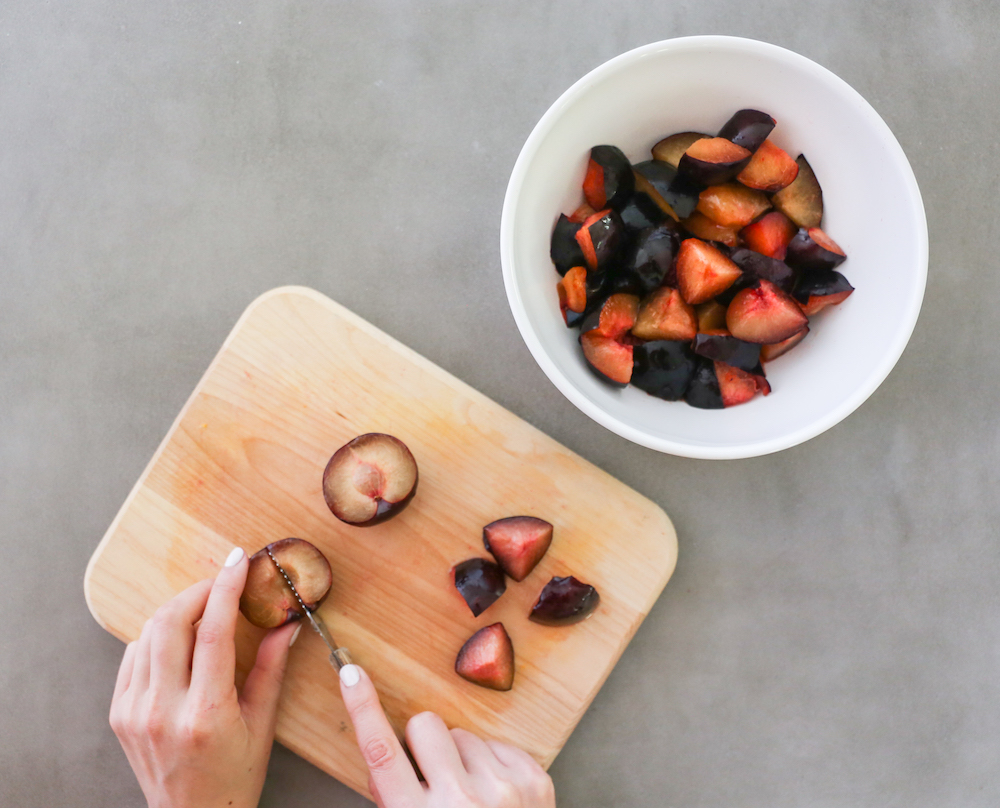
(564, 601)
(480, 582)
(370, 479)
(748, 128)
(267, 600)
(487, 658)
(518, 543)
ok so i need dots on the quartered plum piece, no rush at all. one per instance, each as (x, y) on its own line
(609, 181)
(370, 479)
(664, 185)
(565, 250)
(711, 316)
(599, 238)
(564, 601)
(602, 336)
(712, 161)
(764, 314)
(760, 267)
(487, 658)
(703, 390)
(817, 290)
(732, 204)
(700, 226)
(480, 582)
(652, 257)
(770, 234)
(737, 386)
(748, 128)
(639, 213)
(770, 169)
(663, 368)
(703, 271)
(723, 347)
(672, 148)
(573, 294)
(813, 250)
(665, 315)
(802, 200)
(614, 318)
(267, 600)
(776, 349)
(518, 543)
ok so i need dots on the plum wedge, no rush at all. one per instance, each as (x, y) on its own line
(370, 479)
(487, 658)
(609, 181)
(480, 582)
(267, 600)
(802, 200)
(564, 601)
(703, 271)
(764, 314)
(518, 543)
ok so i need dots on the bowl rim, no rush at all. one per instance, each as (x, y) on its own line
(555, 374)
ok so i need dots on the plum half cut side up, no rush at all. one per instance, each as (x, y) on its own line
(480, 582)
(518, 543)
(564, 601)
(370, 479)
(487, 658)
(267, 600)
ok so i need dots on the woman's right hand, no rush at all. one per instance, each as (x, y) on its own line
(461, 770)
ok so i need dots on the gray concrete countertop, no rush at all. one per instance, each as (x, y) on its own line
(831, 635)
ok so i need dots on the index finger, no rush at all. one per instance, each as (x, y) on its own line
(213, 666)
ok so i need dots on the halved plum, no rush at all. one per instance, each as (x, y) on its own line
(802, 200)
(764, 314)
(703, 390)
(480, 582)
(663, 368)
(813, 250)
(748, 128)
(652, 257)
(609, 181)
(564, 601)
(737, 386)
(769, 235)
(267, 600)
(565, 250)
(370, 479)
(723, 347)
(703, 271)
(672, 148)
(732, 204)
(776, 349)
(770, 169)
(817, 290)
(662, 183)
(599, 238)
(712, 161)
(518, 543)
(665, 315)
(487, 658)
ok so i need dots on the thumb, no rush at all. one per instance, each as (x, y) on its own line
(263, 684)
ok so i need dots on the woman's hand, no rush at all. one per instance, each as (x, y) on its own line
(462, 771)
(190, 738)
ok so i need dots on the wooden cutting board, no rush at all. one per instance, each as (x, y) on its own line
(297, 378)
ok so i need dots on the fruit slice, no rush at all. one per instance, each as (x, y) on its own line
(732, 204)
(518, 543)
(564, 601)
(267, 600)
(703, 271)
(813, 250)
(769, 235)
(573, 292)
(672, 148)
(663, 185)
(711, 315)
(640, 212)
(487, 658)
(609, 181)
(663, 368)
(748, 128)
(723, 347)
(610, 359)
(700, 226)
(755, 265)
(817, 290)
(652, 257)
(370, 479)
(599, 237)
(582, 213)
(480, 582)
(712, 161)
(615, 317)
(776, 349)
(665, 315)
(764, 314)
(703, 391)
(565, 250)
(802, 200)
(737, 386)
(770, 169)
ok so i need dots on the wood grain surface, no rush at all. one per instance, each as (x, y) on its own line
(298, 377)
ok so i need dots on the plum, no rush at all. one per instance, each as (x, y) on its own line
(723, 347)
(732, 204)
(572, 291)
(737, 386)
(652, 257)
(480, 582)
(703, 271)
(770, 169)
(700, 226)
(599, 237)
(776, 349)
(639, 213)
(564, 249)
(703, 390)
(370, 479)
(672, 148)
(664, 315)
(564, 601)
(663, 184)
(813, 250)
(802, 200)
(663, 368)
(711, 316)
(609, 181)
(764, 314)
(518, 543)
(757, 266)
(267, 600)
(770, 234)
(487, 658)
(817, 290)
(748, 128)
(712, 161)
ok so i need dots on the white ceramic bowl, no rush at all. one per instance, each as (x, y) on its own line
(872, 209)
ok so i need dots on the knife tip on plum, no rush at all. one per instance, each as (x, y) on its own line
(267, 600)
(370, 479)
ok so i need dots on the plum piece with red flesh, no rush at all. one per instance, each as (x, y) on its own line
(652, 257)
(663, 368)
(711, 316)
(802, 200)
(370, 479)
(582, 213)
(614, 317)
(573, 294)
(770, 169)
(703, 389)
(723, 347)
(732, 204)
(267, 600)
(737, 386)
(487, 658)
(764, 314)
(700, 226)
(609, 181)
(703, 271)
(610, 359)
(817, 290)
(770, 234)
(518, 543)
(672, 148)
(712, 161)
(564, 601)
(599, 238)
(480, 582)
(776, 349)
(813, 250)
(758, 266)
(672, 193)
(748, 128)
(665, 315)
(564, 250)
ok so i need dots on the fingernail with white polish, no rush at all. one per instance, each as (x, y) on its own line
(234, 557)
(295, 635)
(350, 675)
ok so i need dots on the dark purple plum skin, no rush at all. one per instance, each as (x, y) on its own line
(702, 173)
(728, 349)
(681, 195)
(663, 368)
(564, 601)
(756, 265)
(640, 212)
(748, 128)
(607, 235)
(652, 258)
(619, 181)
(821, 284)
(564, 250)
(703, 392)
(807, 255)
(480, 582)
